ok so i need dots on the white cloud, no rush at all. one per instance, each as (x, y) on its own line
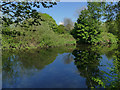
(61, 23)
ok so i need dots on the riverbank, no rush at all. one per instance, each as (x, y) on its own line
(63, 40)
(40, 64)
(27, 36)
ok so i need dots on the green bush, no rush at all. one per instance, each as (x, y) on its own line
(61, 29)
(42, 18)
(105, 38)
(43, 35)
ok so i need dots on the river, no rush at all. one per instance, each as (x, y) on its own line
(62, 67)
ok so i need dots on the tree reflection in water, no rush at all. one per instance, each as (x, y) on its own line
(16, 64)
(88, 63)
(87, 59)
(68, 58)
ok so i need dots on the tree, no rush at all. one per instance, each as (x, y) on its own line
(42, 17)
(84, 30)
(96, 9)
(18, 11)
(118, 19)
(61, 29)
(88, 23)
(111, 11)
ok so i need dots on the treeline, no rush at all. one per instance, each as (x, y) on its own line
(98, 24)
(24, 27)
(31, 33)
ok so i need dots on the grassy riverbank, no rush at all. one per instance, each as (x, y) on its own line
(15, 43)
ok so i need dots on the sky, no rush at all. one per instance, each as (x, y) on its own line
(64, 10)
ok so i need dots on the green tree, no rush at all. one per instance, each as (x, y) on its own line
(88, 23)
(19, 11)
(61, 29)
(42, 17)
(118, 19)
(112, 11)
(84, 30)
(96, 10)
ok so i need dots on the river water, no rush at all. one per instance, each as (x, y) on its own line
(62, 67)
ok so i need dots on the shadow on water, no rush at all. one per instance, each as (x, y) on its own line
(63, 67)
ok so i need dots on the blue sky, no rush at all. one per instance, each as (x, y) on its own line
(64, 10)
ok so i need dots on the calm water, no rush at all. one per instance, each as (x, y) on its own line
(63, 67)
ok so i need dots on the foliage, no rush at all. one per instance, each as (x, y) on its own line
(43, 35)
(105, 38)
(61, 29)
(87, 62)
(88, 23)
(93, 66)
(112, 27)
(90, 28)
(112, 15)
(19, 11)
(113, 75)
(96, 10)
(42, 17)
(84, 31)
(118, 20)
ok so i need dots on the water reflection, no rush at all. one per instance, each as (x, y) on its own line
(19, 64)
(87, 62)
(98, 73)
(68, 58)
(64, 67)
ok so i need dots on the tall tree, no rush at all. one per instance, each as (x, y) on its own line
(118, 19)
(88, 23)
(112, 17)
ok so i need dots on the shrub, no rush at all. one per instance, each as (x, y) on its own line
(61, 29)
(105, 38)
(36, 36)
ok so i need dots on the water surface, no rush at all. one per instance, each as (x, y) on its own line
(62, 67)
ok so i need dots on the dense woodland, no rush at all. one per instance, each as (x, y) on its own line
(98, 24)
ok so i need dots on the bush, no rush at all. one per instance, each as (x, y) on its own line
(61, 29)
(105, 38)
(42, 35)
